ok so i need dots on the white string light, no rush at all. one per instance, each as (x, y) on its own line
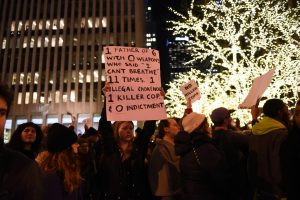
(244, 39)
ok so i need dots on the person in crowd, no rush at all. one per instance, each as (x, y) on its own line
(20, 177)
(61, 177)
(94, 139)
(123, 172)
(235, 147)
(164, 171)
(93, 133)
(266, 153)
(88, 170)
(201, 163)
(293, 157)
(27, 139)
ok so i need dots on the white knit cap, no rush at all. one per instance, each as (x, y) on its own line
(192, 121)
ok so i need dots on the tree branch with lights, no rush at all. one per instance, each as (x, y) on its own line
(243, 39)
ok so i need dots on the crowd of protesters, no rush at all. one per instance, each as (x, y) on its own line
(185, 159)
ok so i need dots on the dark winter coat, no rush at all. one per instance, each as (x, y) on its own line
(20, 177)
(90, 186)
(266, 157)
(235, 147)
(202, 168)
(293, 163)
(54, 188)
(124, 180)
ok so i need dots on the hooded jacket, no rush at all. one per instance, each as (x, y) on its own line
(266, 155)
(164, 172)
(267, 125)
(17, 144)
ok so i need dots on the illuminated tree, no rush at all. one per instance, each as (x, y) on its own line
(243, 39)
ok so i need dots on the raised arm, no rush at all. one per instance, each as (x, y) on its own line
(255, 113)
(106, 130)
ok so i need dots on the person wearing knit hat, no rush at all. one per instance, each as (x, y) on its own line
(60, 138)
(192, 121)
(62, 179)
(27, 139)
(201, 163)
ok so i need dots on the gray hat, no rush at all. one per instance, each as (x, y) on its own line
(219, 114)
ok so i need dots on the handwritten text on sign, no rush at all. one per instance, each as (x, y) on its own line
(191, 91)
(133, 75)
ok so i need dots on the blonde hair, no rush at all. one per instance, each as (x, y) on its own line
(127, 152)
(65, 164)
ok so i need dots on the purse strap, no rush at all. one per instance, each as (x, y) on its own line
(196, 156)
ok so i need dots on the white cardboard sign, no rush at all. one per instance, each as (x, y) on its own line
(259, 86)
(191, 91)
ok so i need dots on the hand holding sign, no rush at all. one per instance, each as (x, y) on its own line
(255, 110)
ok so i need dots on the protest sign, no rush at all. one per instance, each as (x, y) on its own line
(259, 86)
(133, 75)
(191, 91)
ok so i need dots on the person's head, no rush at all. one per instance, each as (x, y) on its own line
(168, 127)
(26, 135)
(297, 114)
(92, 134)
(123, 131)
(276, 109)
(221, 117)
(5, 103)
(197, 123)
(61, 138)
(84, 146)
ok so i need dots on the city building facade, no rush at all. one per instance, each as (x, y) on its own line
(51, 55)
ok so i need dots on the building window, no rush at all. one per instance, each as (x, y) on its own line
(21, 120)
(96, 119)
(66, 120)
(51, 119)
(37, 120)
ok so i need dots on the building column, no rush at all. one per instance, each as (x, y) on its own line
(139, 23)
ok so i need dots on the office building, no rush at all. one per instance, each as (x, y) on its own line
(51, 55)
